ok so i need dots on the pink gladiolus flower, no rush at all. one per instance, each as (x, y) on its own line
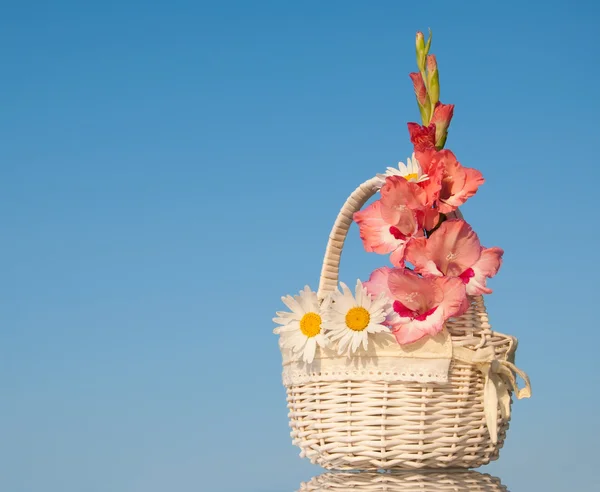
(405, 205)
(454, 251)
(421, 305)
(379, 236)
(422, 137)
(458, 184)
(420, 89)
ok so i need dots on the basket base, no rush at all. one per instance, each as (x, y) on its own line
(457, 464)
(366, 425)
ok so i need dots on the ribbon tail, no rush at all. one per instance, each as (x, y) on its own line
(503, 399)
(491, 406)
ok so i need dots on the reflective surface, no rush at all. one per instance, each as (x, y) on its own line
(421, 481)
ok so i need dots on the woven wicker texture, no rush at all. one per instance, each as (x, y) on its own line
(367, 425)
(405, 482)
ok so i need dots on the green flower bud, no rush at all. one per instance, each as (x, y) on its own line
(433, 80)
(421, 52)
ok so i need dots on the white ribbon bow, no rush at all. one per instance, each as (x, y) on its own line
(499, 377)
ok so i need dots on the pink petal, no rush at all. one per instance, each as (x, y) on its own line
(467, 275)
(430, 218)
(477, 286)
(416, 329)
(454, 247)
(489, 261)
(434, 323)
(455, 295)
(408, 333)
(487, 266)
(400, 199)
(432, 165)
(442, 114)
(406, 222)
(378, 282)
(416, 293)
(419, 86)
(416, 253)
(402, 310)
(458, 185)
(374, 231)
(394, 231)
(398, 255)
(426, 314)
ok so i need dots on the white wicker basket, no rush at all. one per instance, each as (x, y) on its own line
(354, 422)
(469, 481)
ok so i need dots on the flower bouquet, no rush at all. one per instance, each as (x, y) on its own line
(404, 370)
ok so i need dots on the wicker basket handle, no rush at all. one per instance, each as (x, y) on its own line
(331, 263)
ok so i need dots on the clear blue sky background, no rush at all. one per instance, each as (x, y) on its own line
(170, 169)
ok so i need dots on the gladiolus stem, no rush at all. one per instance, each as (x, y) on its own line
(443, 218)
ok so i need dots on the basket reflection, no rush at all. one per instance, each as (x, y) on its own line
(421, 481)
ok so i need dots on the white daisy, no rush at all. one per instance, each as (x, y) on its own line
(350, 319)
(411, 171)
(301, 328)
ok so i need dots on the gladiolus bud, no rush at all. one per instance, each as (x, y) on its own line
(421, 93)
(433, 80)
(419, 86)
(442, 114)
(421, 53)
(431, 63)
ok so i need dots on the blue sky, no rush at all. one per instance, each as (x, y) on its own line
(168, 170)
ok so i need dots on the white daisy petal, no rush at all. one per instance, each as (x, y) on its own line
(359, 295)
(345, 289)
(344, 343)
(284, 317)
(356, 341)
(292, 303)
(282, 320)
(337, 334)
(367, 302)
(322, 340)
(289, 328)
(309, 350)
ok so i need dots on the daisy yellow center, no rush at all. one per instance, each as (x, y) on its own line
(310, 324)
(411, 176)
(358, 318)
